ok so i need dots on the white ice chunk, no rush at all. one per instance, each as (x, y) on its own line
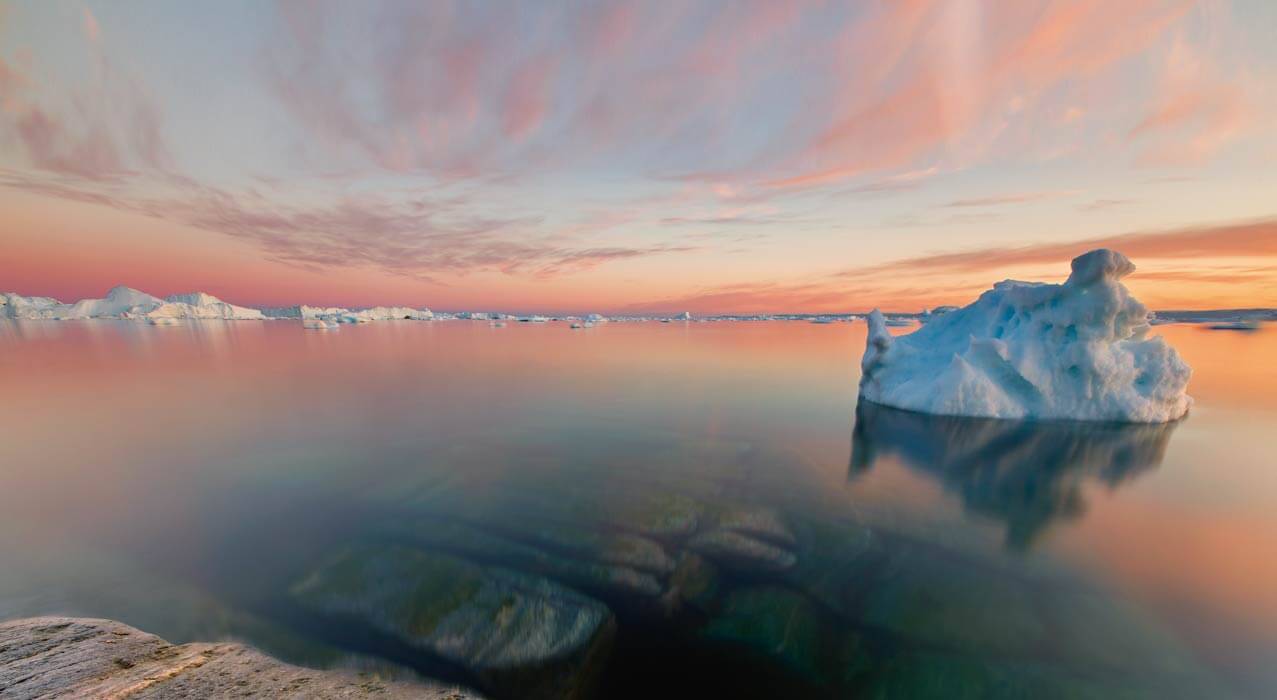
(388, 313)
(17, 306)
(202, 305)
(120, 302)
(1077, 351)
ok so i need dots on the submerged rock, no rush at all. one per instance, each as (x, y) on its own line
(670, 515)
(774, 622)
(758, 522)
(518, 634)
(1077, 350)
(593, 576)
(931, 675)
(741, 552)
(694, 583)
(47, 657)
(929, 599)
(633, 551)
(838, 562)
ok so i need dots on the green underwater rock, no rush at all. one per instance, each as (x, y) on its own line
(472, 542)
(694, 583)
(927, 676)
(666, 515)
(951, 602)
(759, 523)
(774, 622)
(518, 634)
(741, 552)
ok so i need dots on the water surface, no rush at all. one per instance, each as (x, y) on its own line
(185, 479)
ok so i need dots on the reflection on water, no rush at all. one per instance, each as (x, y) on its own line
(632, 510)
(1028, 474)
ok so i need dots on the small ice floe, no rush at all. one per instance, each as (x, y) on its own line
(1078, 350)
(319, 324)
(1234, 326)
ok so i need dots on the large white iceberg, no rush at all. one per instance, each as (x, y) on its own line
(1077, 351)
(120, 302)
(201, 305)
(125, 303)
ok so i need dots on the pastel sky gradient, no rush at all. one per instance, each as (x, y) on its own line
(743, 156)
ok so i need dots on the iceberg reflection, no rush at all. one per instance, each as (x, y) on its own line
(1025, 473)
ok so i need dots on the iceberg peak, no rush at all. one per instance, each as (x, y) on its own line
(122, 293)
(1099, 265)
(1073, 351)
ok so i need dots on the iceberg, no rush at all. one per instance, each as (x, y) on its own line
(202, 306)
(126, 303)
(1026, 350)
(319, 324)
(20, 307)
(120, 302)
(303, 311)
(388, 313)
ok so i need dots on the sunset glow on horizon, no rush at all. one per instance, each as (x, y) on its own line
(715, 157)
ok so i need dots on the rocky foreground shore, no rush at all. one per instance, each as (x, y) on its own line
(66, 657)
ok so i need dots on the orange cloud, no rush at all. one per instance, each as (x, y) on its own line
(1222, 266)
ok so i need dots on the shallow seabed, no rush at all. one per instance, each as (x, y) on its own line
(634, 510)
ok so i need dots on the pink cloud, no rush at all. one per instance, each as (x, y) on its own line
(1196, 111)
(92, 31)
(420, 238)
(529, 97)
(106, 130)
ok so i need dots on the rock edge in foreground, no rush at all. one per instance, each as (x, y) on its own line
(52, 657)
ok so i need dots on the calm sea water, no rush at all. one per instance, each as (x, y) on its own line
(715, 486)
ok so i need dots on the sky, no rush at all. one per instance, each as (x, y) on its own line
(716, 157)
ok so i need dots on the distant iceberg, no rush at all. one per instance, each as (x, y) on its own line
(128, 303)
(303, 311)
(387, 313)
(17, 306)
(120, 302)
(1076, 351)
(201, 305)
(125, 303)
(318, 324)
